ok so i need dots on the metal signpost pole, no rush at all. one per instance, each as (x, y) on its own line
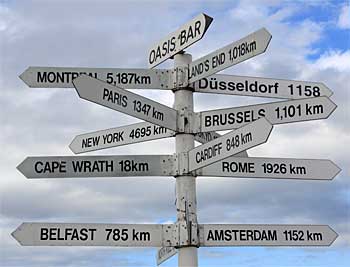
(186, 204)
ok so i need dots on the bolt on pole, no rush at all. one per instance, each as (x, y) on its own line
(186, 203)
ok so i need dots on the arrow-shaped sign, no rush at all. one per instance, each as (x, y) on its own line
(277, 113)
(62, 77)
(134, 133)
(124, 101)
(265, 235)
(263, 87)
(97, 166)
(177, 41)
(284, 168)
(227, 56)
(236, 141)
(210, 136)
(165, 253)
(91, 234)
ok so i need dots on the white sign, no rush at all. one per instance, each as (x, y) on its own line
(266, 235)
(165, 253)
(134, 133)
(124, 101)
(232, 54)
(230, 144)
(284, 168)
(277, 113)
(90, 234)
(97, 166)
(177, 41)
(61, 77)
(210, 136)
(263, 87)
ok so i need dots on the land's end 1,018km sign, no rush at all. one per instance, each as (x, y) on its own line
(177, 41)
(234, 53)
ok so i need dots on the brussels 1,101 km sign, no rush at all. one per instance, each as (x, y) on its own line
(218, 155)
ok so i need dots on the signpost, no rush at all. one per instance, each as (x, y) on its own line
(97, 166)
(232, 54)
(282, 168)
(91, 234)
(124, 101)
(165, 253)
(277, 113)
(266, 235)
(229, 144)
(61, 77)
(177, 41)
(223, 156)
(257, 86)
(120, 136)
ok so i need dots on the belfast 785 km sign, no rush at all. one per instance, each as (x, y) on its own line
(220, 155)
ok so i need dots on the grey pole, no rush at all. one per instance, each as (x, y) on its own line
(186, 203)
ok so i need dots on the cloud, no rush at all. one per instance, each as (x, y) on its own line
(344, 17)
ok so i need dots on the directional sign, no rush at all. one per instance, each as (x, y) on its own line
(134, 133)
(210, 136)
(96, 166)
(266, 235)
(277, 113)
(90, 234)
(206, 137)
(314, 169)
(230, 144)
(165, 253)
(124, 101)
(61, 77)
(232, 54)
(263, 87)
(186, 35)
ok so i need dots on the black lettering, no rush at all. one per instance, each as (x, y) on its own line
(44, 234)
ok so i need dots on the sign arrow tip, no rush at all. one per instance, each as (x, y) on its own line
(20, 166)
(334, 236)
(72, 146)
(23, 76)
(16, 234)
(335, 169)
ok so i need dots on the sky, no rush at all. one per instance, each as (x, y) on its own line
(310, 41)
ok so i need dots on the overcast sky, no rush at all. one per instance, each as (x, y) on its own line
(309, 42)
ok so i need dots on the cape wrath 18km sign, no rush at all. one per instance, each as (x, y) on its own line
(177, 41)
(124, 101)
(96, 166)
